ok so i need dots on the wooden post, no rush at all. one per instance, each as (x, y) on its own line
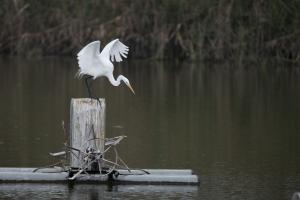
(87, 127)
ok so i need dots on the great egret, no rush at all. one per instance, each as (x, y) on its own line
(93, 64)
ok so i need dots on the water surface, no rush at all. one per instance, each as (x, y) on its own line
(237, 127)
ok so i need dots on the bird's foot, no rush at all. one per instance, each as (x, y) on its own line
(92, 98)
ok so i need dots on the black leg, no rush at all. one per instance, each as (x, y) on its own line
(88, 84)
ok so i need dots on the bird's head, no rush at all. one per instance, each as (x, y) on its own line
(126, 81)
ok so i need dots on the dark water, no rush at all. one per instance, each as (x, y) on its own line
(238, 128)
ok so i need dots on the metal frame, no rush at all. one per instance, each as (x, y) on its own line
(91, 156)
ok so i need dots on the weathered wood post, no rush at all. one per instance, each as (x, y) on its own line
(87, 127)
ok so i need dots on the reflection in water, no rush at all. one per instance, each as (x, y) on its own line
(95, 192)
(32, 191)
(237, 127)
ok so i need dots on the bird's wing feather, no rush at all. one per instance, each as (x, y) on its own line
(115, 50)
(88, 56)
(118, 50)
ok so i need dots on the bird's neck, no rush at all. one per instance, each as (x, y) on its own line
(113, 81)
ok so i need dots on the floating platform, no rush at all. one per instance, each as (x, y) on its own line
(58, 174)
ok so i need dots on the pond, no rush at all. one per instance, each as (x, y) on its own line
(236, 127)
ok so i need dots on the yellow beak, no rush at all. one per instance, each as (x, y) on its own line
(131, 88)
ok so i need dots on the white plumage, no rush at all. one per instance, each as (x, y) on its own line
(95, 64)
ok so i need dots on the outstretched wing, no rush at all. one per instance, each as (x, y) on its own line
(88, 57)
(115, 50)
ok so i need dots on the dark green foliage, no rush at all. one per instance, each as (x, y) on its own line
(181, 29)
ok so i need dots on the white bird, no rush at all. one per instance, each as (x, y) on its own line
(93, 64)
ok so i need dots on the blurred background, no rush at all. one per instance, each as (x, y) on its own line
(217, 90)
(163, 29)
